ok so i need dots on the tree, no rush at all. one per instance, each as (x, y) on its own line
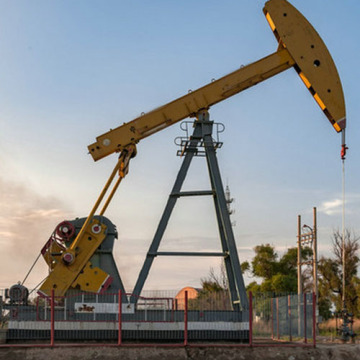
(214, 294)
(265, 261)
(216, 281)
(331, 275)
(279, 274)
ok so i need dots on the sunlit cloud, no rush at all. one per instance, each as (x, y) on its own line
(26, 221)
(332, 207)
(335, 206)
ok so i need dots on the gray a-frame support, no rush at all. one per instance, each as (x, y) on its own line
(202, 135)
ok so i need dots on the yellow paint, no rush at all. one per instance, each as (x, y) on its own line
(90, 279)
(270, 21)
(63, 276)
(318, 71)
(319, 101)
(305, 80)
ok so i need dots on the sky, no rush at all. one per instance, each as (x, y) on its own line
(71, 70)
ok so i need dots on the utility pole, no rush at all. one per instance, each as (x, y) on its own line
(299, 282)
(308, 236)
(315, 259)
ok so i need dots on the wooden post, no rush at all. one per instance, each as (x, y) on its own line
(305, 335)
(272, 318)
(299, 256)
(299, 273)
(277, 319)
(315, 263)
(314, 319)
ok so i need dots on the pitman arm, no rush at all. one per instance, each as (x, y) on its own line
(71, 265)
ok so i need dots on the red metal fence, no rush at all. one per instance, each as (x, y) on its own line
(115, 320)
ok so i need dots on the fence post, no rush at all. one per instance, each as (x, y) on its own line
(299, 317)
(250, 318)
(52, 318)
(314, 319)
(120, 319)
(272, 318)
(186, 319)
(277, 319)
(289, 306)
(305, 335)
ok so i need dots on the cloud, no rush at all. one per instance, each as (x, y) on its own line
(334, 206)
(331, 207)
(26, 221)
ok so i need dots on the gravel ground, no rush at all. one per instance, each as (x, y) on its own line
(322, 352)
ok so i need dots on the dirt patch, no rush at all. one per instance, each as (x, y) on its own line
(322, 352)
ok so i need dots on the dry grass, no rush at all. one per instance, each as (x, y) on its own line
(329, 326)
(261, 327)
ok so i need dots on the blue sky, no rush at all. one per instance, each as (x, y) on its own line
(71, 70)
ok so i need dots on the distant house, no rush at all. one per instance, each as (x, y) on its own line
(180, 296)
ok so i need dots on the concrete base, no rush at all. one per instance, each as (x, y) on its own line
(134, 331)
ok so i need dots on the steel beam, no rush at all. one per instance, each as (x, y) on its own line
(202, 135)
(181, 253)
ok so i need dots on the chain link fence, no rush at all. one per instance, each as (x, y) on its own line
(285, 318)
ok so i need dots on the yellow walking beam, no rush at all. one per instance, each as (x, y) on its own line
(300, 47)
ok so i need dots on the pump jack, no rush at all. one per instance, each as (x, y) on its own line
(72, 253)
